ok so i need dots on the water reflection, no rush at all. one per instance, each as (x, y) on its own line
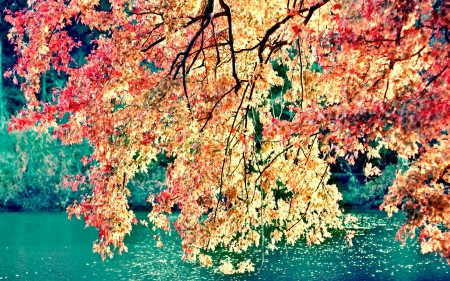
(46, 246)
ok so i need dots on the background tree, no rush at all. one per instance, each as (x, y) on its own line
(11, 100)
(248, 170)
(2, 103)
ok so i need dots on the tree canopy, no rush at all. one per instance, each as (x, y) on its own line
(200, 81)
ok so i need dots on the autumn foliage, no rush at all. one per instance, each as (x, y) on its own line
(196, 80)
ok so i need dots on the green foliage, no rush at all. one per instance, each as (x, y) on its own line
(151, 181)
(370, 192)
(33, 167)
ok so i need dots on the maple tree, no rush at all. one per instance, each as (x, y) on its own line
(197, 80)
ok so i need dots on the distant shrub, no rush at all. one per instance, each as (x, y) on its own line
(143, 183)
(33, 167)
(369, 193)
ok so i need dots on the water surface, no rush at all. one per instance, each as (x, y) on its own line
(47, 246)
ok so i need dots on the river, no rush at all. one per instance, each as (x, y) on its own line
(47, 246)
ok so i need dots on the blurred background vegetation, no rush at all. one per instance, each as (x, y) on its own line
(32, 166)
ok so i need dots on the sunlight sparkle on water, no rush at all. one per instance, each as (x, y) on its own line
(375, 255)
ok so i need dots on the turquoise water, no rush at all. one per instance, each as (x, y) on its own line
(47, 246)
